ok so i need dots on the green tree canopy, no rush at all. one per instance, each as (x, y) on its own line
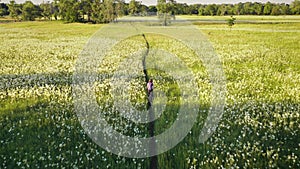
(3, 9)
(268, 8)
(134, 7)
(120, 8)
(69, 10)
(231, 21)
(295, 7)
(14, 9)
(29, 11)
(99, 11)
(166, 6)
(108, 11)
(46, 10)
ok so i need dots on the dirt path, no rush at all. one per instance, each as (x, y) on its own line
(152, 146)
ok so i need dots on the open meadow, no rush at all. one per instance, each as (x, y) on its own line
(260, 127)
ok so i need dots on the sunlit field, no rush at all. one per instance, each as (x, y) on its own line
(256, 18)
(260, 127)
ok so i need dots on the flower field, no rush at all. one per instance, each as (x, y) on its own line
(260, 127)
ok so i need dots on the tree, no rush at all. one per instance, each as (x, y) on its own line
(55, 9)
(166, 10)
(222, 10)
(267, 8)
(152, 9)
(166, 6)
(161, 6)
(3, 9)
(69, 10)
(211, 9)
(180, 8)
(46, 10)
(143, 10)
(258, 8)
(105, 11)
(247, 7)
(14, 10)
(276, 10)
(231, 21)
(201, 11)
(108, 11)
(295, 7)
(86, 9)
(134, 7)
(185, 8)
(238, 9)
(192, 9)
(29, 11)
(285, 8)
(96, 14)
(120, 8)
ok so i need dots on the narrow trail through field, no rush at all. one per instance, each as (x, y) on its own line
(144, 59)
(251, 29)
(152, 146)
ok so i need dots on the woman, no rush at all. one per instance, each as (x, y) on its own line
(150, 86)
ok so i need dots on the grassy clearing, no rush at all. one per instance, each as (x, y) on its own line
(42, 47)
(260, 124)
(259, 129)
(278, 27)
(259, 19)
(267, 59)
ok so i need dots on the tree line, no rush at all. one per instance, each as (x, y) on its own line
(104, 11)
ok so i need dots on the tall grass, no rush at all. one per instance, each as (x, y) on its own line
(259, 129)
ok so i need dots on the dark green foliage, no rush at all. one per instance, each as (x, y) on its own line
(104, 11)
(55, 9)
(166, 10)
(14, 10)
(295, 7)
(231, 21)
(46, 10)
(134, 7)
(69, 10)
(249, 8)
(29, 11)
(3, 9)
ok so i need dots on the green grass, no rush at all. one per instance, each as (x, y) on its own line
(259, 129)
(265, 55)
(256, 18)
(41, 47)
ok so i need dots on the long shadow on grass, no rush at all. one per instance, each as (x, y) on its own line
(42, 133)
(12, 81)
